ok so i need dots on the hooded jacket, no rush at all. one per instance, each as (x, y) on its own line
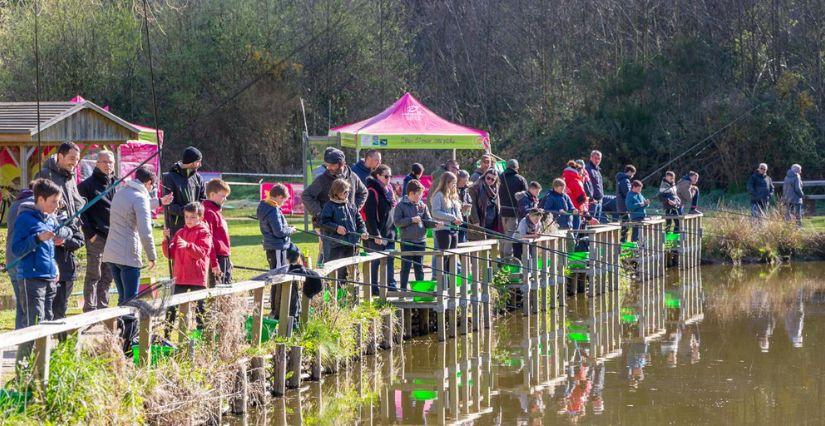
(274, 228)
(511, 184)
(622, 189)
(316, 195)
(186, 187)
(555, 203)
(792, 188)
(404, 212)
(635, 203)
(379, 209)
(760, 187)
(668, 195)
(190, 265)
(596, 180)
(67, 183)
(219, 230)
(26, 197)
(361, 170)
(575, 187)
(96, 218)
(526, 201)
(341, 213)
(36, 257)
(130, 227)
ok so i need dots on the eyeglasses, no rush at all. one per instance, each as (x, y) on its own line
(490, 179)
(385, 176)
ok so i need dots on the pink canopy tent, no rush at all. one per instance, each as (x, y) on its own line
(408, 124)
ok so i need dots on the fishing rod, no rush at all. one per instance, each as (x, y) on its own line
(270, 275)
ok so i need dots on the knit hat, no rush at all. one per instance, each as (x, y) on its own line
(512, 164)
(190, 155)
(333, 156)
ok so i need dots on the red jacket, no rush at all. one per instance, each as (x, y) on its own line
(575, 187)
(220, 232)
(190, 264)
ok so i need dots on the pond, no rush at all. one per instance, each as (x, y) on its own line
(720, 344)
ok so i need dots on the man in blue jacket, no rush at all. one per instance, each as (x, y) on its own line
(760, 188)
(363, 167)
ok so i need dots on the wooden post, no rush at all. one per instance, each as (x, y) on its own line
(485, 291)
(284, 329)
(388, 332)
(279, 370)
(398, 337)
(315, 369)
(257, 315)
(184, 312)
(257, 372)
(240, 399)
(525, 278)
(294, 380)
(145, 339)
(42, 351)
(449, 286)
(359, 348)
(474, 293)
(462, 292)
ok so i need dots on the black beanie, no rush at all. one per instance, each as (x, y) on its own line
(190, 155)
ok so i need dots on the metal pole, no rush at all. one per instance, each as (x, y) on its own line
(304, 154)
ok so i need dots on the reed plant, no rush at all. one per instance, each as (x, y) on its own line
(738, 238)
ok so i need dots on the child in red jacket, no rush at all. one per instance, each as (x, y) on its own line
(220, 267)
(189, 250)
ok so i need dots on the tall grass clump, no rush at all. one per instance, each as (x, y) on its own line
(738, 238)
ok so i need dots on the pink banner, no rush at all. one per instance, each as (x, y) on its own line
(293, 204)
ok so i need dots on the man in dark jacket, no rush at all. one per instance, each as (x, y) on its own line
(317, 194)
(760, 187)
(60, 169)
(95, 230)
(364, 166)
(596, 182)
(186, 186)
(511, 184)
(64, 254)
(623, 180)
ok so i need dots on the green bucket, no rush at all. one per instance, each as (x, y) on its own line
(578, 333)
(427, 286)
(672, 300)
(578, 259)
(423, 395)
(628, 248)
(672, 240)
(269, 329)
(156, 353)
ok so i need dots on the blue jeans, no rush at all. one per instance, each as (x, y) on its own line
(596, 211)
(794, 210)
(413, 262)
(127, 281)
(377, 263)
(759, 208)
(694, 202)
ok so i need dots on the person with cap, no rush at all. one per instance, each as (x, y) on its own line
(760, 188)
(511, 184)
(316, 195)
(365, 166)
(185, 185)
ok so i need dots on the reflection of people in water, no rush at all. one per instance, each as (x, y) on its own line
(763, 321)
(670, 343)
(637, 359)
(695, 343)
(597, 378)
(794, 320)
(578, 385)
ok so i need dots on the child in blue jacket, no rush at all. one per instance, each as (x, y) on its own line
(560, 204)
(528, 199)
(341, 220)
(33, 241)
(636, 204)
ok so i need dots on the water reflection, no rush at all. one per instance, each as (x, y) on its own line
(670, 350)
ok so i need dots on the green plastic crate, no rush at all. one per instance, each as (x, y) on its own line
(578, 259)
(156, 353)
(672, 300)
(578, 333)
(427, 286)
(628, 248)
(12, 400)
(629, 316)
(269, 329)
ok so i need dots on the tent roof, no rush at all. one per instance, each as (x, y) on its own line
(408, 124)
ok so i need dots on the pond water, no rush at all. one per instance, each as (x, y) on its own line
(720, 344)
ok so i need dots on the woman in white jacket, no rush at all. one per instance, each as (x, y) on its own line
(130, 232)
(446, 208)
